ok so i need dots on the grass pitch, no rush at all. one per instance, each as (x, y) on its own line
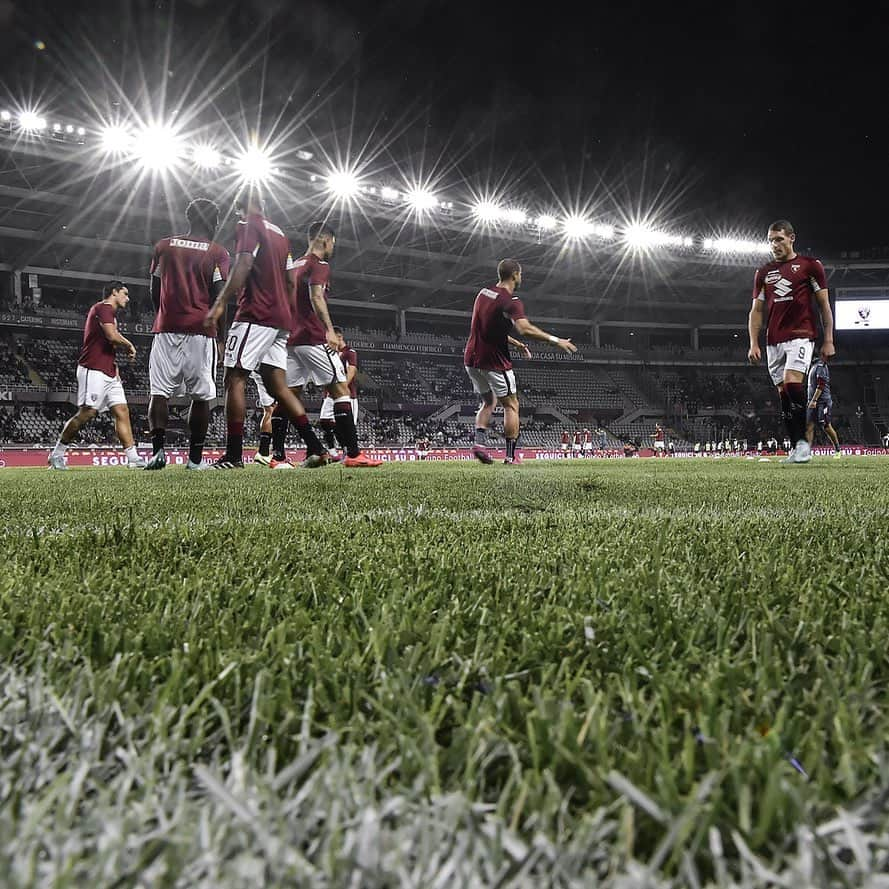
(662, 672)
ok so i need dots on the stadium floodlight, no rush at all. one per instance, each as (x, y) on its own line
(546, 222)
(343, 184)
(688, 241)
(115, 138)
(578, 227)
(81, 131)
(254, 165)
(387, 193)
(304, 155)
(206, 157)
(69, 129)
(641, 237)
(57, 128)
(421, 200)
(604, 230)
(31, 121)
(5, 116)
(736, 245)
(515, 216)
(487, 211)
(157, 148)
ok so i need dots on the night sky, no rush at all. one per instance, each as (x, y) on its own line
(730, 114)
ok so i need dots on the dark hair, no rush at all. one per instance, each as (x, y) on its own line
(338, 330)
(204, 214)
(507, 268)
(782, 225)
(248, 195)
(110, 287)
(320, 230)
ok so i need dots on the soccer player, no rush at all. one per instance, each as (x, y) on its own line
(98, 381)
(783, 289)
(587, 443)
(496, 312)
(188, 273)
(349, 358)
(422, 448)
(566, 442)
(257, 338)
(313, 348)
(576, 443)
(658, 441)
(820, 406)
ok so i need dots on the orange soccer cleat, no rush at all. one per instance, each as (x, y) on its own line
(361, 460)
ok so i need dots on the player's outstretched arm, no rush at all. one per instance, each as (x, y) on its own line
(526, 328)
(233, 286)
(822, 298)
(754, 326)
(319, 304)
(526, 352)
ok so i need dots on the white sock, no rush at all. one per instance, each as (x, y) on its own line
(59, 449)
(132, 454)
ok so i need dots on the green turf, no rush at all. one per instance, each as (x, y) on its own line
(577, 645)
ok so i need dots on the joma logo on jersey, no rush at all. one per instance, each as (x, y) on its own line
(189, 245)
(783, 287)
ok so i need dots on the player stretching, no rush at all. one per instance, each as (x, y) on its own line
(187, 274)
(486, 357)
(820, 407)
(313, 352)
(350, 363)
(783, 289)
(257, 338)
(98, 382)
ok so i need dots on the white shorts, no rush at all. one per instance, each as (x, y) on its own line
(500, 382)
(97, 390)
(792, 355)
(316, 364)
(248, 345)
(588, 447)
(265, 400)
(183, 364)
(327, 409)
(564, 449)
(658, 445)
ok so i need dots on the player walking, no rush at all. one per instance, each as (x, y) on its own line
(98, 382)
(349, 358)
(486, 357)
(257, 338)
(188, 273)
(783, 290)
(313, 352)
(820, 406)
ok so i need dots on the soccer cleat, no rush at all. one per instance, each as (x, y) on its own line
(223, 463)
(57, 462)
(280, 464)
(789, 457)
(837, 455)
(198, 467)
(262, 459)
(314, 461)
(157, 461)
(480, 452)
(137, 464)
(361, 460)
(514, 461)
(334, 458)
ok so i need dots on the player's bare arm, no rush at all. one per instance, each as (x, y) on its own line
(822, 299)
(819, 391)
(526, 352)
(754, 327)
(319, 304)
(116, 338)
(154, 289)
(526, 328)
(351, 372)
(233, 286)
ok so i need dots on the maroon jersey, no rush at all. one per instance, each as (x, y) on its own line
(577, 438)
(658, 434)
(350, 359)
(308, 329)
(187, 267)
(493, 315)
(786, 288)
(587, 437)
(265, 299)
(97, 352)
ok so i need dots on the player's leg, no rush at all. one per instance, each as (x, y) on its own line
(235, 383)
(344, 422)
(292, 407)
(482, 388)
(120, 413)
(69, 433)
(831, 433)
(265, 430)
(328, 422)
(510, 405)
(198, 422)
(158, 414)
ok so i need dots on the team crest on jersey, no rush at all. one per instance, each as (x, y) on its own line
(773, 276)
(795, 267)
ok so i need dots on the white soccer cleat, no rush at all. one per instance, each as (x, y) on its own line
(57, 462)
(137, 464)
(790, 456)
(197, 467)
